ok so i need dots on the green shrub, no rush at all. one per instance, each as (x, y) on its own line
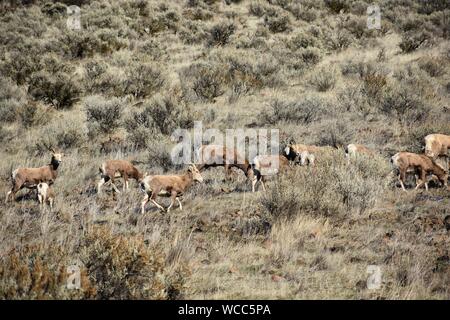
(60, 89)
(143, 80)
(336, 6)
(413, 40)
(277, 23)
(206, 81)
(123, 267)
(434, 66)
(61, 134)
(404, 105)
(38, 271)
(305, 111)
(328, 188)
(163, 114)
(220, 34)
(12, 98)
(103, 116)
(324, 79)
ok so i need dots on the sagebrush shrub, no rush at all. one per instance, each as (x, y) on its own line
(143, 80)
(60, 89)
(12, 98)
(411, 41)
(163, 114)
(205, 80)
(220, 34)
(277, 23)
(324, 79)
(332, 187)
(40, 272)
(123, 267)
(305, 111)
(103, 116)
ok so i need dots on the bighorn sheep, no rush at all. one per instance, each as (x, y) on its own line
(352, 150)
(112, 169)
(172, 186)
(294, 153)
(436, 145)
(267, 165)
(420, 164)
(45, 194)
(218, 155)
(31, 177)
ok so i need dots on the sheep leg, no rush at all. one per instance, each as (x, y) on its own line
(125, 182)
(254, 182)
(401, 177)
(422, 180)
(7, 196)
(50, 201)
(158, 205)
(114, 186)
(172, 200)
(100, 184)
(143, 203)
(155, 192)
(41, 200)
(179, 202)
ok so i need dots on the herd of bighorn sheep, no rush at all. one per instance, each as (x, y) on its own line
(174, 186)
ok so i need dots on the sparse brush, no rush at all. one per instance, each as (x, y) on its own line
(324, 79)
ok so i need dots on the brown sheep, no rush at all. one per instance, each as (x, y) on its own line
(420, 164)
(112, 169)
(220, 156)
(172, 186)
(31, 177)
(267, 165)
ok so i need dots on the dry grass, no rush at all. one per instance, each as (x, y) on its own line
(318, 76)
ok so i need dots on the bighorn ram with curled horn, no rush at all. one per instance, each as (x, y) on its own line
(420, 164)
(111, 169)
(31, 177)
(172, 186)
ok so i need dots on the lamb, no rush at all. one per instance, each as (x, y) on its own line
(218, 155)
(31, 177)
(352, 150)
(45, 194)
(293, 152)
(172, 186)
(420, 164)
(112, 169)
(267, 165)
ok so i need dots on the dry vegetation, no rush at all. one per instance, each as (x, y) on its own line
(140, 69)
